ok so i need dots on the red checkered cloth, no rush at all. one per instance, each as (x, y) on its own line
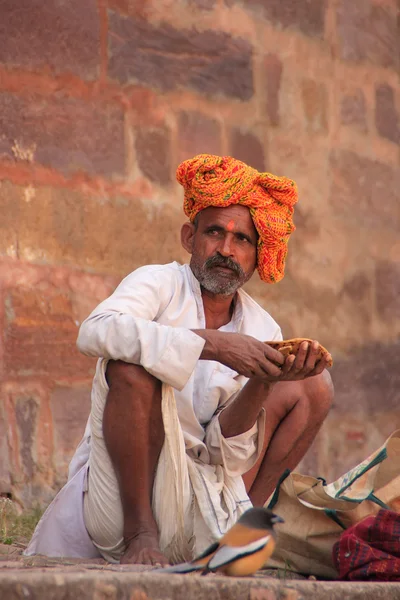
(370, 550)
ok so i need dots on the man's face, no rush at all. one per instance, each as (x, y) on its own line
(224, 249)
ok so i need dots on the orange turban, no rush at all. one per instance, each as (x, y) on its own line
(221, 181)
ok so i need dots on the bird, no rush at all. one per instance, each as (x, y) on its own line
(241, 551)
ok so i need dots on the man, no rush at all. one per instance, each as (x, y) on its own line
(187, 398)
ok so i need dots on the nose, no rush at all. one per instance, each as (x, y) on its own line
(226, 246)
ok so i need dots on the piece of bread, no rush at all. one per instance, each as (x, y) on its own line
(292, 346)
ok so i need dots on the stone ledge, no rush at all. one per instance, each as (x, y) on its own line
(131, 583)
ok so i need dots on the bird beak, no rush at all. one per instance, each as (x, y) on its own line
(277, 519)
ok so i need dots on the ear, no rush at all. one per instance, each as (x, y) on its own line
(188, 231)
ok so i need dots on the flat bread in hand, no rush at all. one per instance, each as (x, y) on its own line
(292, 346)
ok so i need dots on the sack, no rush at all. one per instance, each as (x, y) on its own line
(316, 513)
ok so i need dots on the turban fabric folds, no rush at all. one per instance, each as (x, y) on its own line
(222, 181)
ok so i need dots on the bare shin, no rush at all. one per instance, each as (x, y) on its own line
(295, 412)
(134, 435)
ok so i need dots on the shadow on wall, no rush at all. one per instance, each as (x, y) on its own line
(365, 410)
(369, 380)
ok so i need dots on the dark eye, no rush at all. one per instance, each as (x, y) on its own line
(243, 238)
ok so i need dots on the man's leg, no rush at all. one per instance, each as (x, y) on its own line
(134, 435)
(295, 412)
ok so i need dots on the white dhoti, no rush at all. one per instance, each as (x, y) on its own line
(194, 502)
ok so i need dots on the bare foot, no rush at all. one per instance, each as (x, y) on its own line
(144, 550)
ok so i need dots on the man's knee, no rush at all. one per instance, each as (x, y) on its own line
(120, 374)
(319, 394)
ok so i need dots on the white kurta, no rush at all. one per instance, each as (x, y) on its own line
(147, 321)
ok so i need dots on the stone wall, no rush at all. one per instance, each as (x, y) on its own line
(99, 102)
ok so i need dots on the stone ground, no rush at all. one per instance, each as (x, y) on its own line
(41, 578)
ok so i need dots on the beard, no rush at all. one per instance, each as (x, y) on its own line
(222, 283)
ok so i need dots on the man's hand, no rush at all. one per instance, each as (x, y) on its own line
(305, 364)
(242, 353)
(252, 358)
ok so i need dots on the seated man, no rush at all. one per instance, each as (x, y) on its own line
(187, 398)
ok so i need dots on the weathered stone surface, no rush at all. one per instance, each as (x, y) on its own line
(247, 147)
(204, 4)
(26, 415)
(41, 224)
(365, 410)
(30, 441)
(67, 134)
(5, 478)
(153, 153)
(364, 189)
(273, 68)
(96, 583)
(387, 118)
(307, 16)
(368, 31)
(9, 208)
(387, 277)
(110, 234)
(368, 379)
(40, 334)
(315, 105)
(62, 36)
(353, 110)
(127, 234)
(197, 134)
(357, 287)
(70, 408)
(209, 62)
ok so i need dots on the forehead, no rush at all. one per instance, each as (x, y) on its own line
(238, 218)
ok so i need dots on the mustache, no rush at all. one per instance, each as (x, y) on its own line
(223, 261)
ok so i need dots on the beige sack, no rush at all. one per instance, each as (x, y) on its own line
(316, 513)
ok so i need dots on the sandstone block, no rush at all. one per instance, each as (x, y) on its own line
(358, 287)
(246, 146)
(387, 118)
(368, 379)
(62, 36)
(273, 74)
(197, 134)
(125, 234)
(368, 31)
(208, 62)
(70, 409)
(365, 410)
(5, 471)
(353, 110)
(29, 437)
(315, 105)
(204, 4)
(364, 189)
(153, 153)
(40, 334)
(41, 223)
(308, 17)
(26, 415)
(108, 234)
(387, 277)
(67, 134)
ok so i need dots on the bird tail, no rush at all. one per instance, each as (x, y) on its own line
(182, 568)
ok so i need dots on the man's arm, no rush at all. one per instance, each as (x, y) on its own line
(257, 361)
(242, 353)
(123, 328)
